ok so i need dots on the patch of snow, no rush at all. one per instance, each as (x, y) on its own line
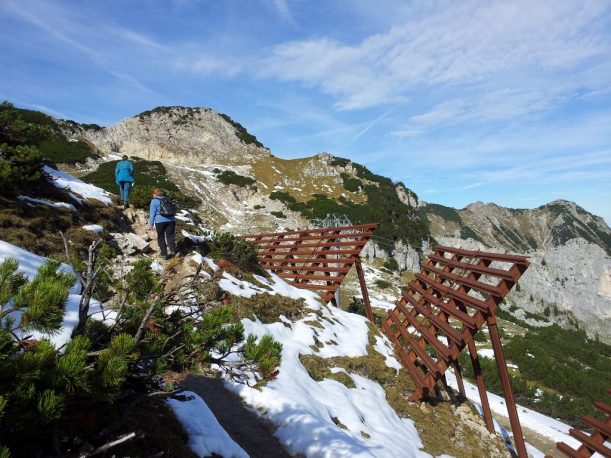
(486, 353)
(206, 435)
(304, 410)
(548, 427)
(382, 346)
(94, 228)
(28, 265)
(47, 203)
(66, 181)
(380, 304)
(238, 287)
(211, 264)
(196, 238)
(198, 258)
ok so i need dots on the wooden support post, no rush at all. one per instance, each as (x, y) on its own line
(364, 292)
(481, 386)
(514, 420)
(458, 374)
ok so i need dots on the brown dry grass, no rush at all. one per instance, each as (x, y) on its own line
(289, 174)
(268, 308)
(37, 228)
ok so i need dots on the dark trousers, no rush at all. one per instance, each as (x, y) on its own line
(166, 232)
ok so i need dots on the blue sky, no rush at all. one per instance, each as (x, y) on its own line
(505, 102)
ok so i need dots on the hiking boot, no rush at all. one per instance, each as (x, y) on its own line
(168, 256)
(126, 206)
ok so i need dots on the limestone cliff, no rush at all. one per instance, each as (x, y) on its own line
(549, 225)
(175, 135)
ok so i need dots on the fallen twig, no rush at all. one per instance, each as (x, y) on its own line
(110, 445)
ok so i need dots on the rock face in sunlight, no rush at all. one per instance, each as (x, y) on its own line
(520, 230)
(176, 135)
(568, 284)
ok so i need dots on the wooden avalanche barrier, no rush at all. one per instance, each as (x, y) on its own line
(316, 259)
(454, 296)
(594, 442)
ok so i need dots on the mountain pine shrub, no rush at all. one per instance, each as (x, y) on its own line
(357, 305)
(47, 395)
(240, 252)
(391, 264)
(230, 177)
(265, 354)
(20, 127)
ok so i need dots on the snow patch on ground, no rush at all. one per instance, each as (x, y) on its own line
(545, 426)
(66, 181)
(196, 238)
(28, 265)
(239, 287)
(46, 203)
(94, 228)
(486, 353)
(383, 347)
(206, 435)
(304, 411)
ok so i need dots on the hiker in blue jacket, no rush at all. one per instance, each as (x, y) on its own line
(124, 176)
(162, 219)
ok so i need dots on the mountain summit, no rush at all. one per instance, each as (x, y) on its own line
(175, 135)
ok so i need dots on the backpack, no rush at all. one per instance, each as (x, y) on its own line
(167, 208)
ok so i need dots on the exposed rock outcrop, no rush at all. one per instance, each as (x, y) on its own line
(175, 135)
(570, 284)
(521, 230)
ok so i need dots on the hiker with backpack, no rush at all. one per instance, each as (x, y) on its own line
(124, 177)
(162, 218)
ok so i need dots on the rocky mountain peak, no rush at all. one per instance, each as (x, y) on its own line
(175, 135)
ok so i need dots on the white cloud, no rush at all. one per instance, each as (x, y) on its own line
(284, 11)
(452, 45)
(102, 43)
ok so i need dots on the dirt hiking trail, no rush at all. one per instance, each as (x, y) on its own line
(250, 431)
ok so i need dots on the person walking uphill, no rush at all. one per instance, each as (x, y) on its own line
(162, 219)
(124, 176)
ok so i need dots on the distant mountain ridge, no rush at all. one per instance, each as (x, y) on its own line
(549, 225)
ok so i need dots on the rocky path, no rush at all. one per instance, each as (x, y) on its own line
(254, 434)
(249, 430)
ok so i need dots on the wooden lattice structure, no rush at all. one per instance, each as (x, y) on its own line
(593, 442)
(316, 259)
(452, 298)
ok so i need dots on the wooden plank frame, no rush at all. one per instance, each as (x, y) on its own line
(316, 259)
(595, 442)
(454, 296)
